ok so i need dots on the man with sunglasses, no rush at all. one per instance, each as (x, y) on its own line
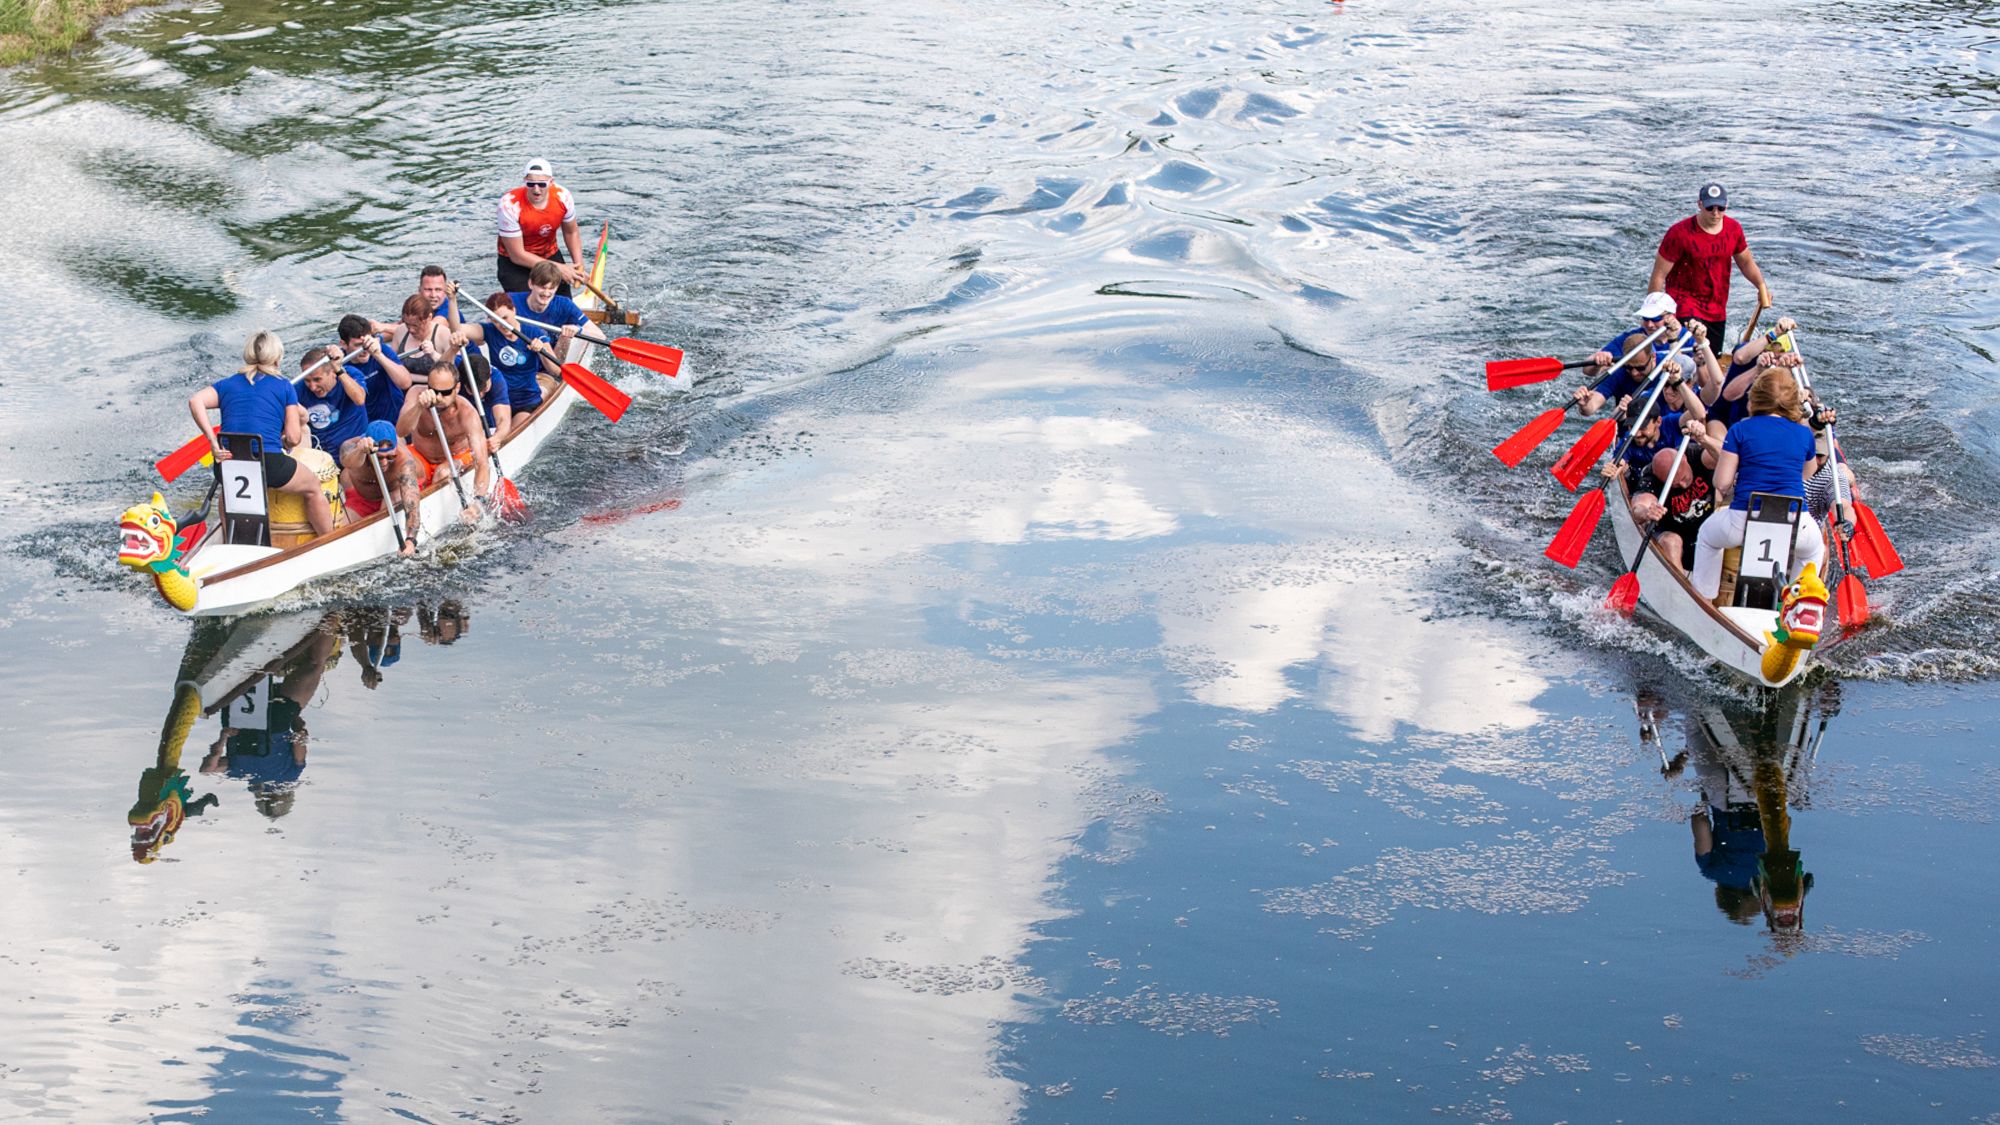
(1655, 313)
(1692, 263)
(530, 218)
(464, 433)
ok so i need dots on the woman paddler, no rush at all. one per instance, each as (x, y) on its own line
(1770, 451)
(258, 400)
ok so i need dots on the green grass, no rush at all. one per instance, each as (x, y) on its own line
(29, 28)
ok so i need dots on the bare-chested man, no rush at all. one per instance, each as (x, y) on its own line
(399, 466)
(464, 433)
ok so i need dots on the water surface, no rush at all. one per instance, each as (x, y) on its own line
(1072, 657)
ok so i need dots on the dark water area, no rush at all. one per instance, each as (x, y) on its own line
(1071, 657)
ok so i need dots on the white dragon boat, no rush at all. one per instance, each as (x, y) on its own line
(233, 578)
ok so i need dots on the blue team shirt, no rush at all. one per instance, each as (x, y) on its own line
(1771, 457)
(256, 408)
(385, 398)
(513, 362)
(333, 416)
(1622, 382)
(561, 311)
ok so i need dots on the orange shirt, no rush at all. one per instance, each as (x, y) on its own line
(537, 227)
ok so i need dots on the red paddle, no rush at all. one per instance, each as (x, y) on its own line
(1574, 535)
(182, 459)
(1850, 597)
(606, 398)
(1529, 436)
(1878, 555)
(1571, 466)
(1504, 373)
(654, 357)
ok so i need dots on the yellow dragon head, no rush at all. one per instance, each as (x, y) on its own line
(1803, 612)
(1801, 616)
(149, 536)
(152, 540)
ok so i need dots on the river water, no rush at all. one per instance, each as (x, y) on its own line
(1071, 656)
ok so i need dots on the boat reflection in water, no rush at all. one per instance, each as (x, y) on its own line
(1752, 765)
(257, 677)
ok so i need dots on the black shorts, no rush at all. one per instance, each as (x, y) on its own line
(278, 469)
(514, 277)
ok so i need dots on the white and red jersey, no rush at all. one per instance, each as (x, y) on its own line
(537, 227)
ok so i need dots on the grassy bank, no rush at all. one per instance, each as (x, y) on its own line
(38, 27)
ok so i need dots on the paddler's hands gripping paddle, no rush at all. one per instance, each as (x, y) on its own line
(1524, 441)
(1624, 595)
(188, 456)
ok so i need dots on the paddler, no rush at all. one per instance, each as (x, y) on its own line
(1691, 499)
(258, 400)
(364, 494)
(335, 403)
(464, 432)
(1752, 358)
(1770, 451)
(518, 353)
(378, 369)
(542, 302)
(1692, 264)
(530, 217)
(1655, 313)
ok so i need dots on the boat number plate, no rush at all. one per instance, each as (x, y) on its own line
(243, 487)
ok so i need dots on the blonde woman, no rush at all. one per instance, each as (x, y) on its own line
(1770, 451)
(258, 400)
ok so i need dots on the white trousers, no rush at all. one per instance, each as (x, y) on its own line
(1724, 530)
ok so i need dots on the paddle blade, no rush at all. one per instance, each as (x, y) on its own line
(1850, 600)
(507, 501)
(606, 398)
(1624, 595)
(182, 459)
(1574, 535)
(655, 357)
(1504, 373)
(1871, 544)
(1527, 438)
(1573, 466)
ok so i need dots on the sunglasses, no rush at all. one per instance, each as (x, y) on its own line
(537, 185)
(1651, 319)
(1716, 207)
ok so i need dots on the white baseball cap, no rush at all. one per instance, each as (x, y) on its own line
(1656, 304)
(538, 166)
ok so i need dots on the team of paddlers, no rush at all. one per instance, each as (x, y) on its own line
(1701, 426)
(376, 416)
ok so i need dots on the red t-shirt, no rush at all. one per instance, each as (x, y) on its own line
(1699, 281)
(537, 226)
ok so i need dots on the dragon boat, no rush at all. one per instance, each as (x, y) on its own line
(201, 574)
(1767, 647)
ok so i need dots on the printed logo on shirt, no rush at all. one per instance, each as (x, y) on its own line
(321, 415)
(511, 356)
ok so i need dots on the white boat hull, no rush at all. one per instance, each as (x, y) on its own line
(1733, 638)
